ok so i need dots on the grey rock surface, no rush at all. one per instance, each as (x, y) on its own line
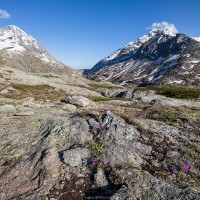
(76, 157)
(123, 143)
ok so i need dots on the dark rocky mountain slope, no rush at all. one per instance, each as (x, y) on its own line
(157, 58)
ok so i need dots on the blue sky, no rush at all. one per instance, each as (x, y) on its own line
(79, 33)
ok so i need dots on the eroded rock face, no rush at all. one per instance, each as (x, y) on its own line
(38, 170)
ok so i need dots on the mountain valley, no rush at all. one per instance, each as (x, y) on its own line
(64, 136)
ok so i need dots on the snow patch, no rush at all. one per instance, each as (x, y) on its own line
(197, 39)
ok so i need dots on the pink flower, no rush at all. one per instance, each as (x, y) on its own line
(105, 161)
(94, 160)
(198, 143)
(100, 163)
(185, 166)
(174, 170)
(99, 125)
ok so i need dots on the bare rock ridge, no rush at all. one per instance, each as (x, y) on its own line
(157, 58)
(20, 50)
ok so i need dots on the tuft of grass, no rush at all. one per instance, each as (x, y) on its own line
(174, 92)
(9, 71)
(192, 151)
(194, 189)
(38, 92)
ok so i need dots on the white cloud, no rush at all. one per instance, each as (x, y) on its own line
(4, 14)
(165, 26)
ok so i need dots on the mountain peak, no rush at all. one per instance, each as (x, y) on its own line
(11, 27)
(14, 39)
(16, 42)
(165, 30)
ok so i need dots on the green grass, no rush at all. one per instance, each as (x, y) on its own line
(9, 71)
(175, 92)
(38, 92)
(96, 87)
(173, 114)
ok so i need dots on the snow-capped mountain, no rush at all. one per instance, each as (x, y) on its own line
(23, 48)
(157, 58)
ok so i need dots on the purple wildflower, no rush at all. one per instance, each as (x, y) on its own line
(159, 133)
(166, 135)
(185, 166)
(94, 160)
(105, 161)
(100, 163)
(174, 170)
(98, 125)
(198, 143)
(86, 146)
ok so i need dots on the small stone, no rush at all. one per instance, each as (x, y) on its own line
(100, 178)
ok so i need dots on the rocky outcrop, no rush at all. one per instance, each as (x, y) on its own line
(34, 171)
(148, 96)
(57, 154)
